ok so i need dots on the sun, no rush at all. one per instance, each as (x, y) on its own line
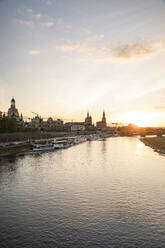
(139, 118)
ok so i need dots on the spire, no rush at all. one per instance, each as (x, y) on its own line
(13, 102)
(104, 118)
(88, 114)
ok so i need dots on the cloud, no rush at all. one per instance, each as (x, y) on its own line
(47, 24)
(37, 15)
(78, 47)
(86, 30)
(29, 17)
(128, 51)
(34, 52)
(49, 2)
(59, 21)
(24, 22)
(32, 13)
(139, 49)
(97, 37)
(29, 10)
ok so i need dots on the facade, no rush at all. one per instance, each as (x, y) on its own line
(52, 125)
(88, 123)
(13, 112)
(74, 126)
(77, 126)
(88, 119)
(102, 124)
(36, 122)
(49, 125)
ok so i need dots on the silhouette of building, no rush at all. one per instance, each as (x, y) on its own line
(36, 122)
(88, 123)
(49, 125)
(104, 119)
(13, 112)
(74, 126)
(88, 119)
(102, 124)
(52, 125)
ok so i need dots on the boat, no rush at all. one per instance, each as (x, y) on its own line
(89, 138)
(61, 144)
(92, 137)
(51, 147)
(42, 148)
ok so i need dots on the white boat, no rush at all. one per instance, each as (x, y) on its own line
(61, 144)
(42, 148)
(51, 147)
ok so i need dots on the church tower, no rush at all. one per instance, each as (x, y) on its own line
(13, 103)
(88, 119)
(13, 111)
(104, 118)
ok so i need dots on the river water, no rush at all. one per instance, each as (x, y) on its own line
(97, 194)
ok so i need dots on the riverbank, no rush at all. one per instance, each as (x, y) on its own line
(19, 143)
(10, 150)
(22, 144)
(14, 150)
(23, 136)
(156, 143)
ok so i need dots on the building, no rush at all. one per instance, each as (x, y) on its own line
(74, 126)
(88, 123)
(77, 126)
(88, 120)
(36, 122)
(52, 125)
(102, 124)
(13, 112)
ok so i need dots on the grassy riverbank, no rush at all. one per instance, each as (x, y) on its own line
(157, 143)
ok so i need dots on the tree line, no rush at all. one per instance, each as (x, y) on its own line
(12, 125)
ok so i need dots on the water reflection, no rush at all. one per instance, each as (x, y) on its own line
(104, 147)
(98, 194)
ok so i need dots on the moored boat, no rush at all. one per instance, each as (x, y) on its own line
(61, 144)
(42, 148)
(51, 147)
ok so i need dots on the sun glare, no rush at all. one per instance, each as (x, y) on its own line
(139, 118)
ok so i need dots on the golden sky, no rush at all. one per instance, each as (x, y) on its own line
(64, 58)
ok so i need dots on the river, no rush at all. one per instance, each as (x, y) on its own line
(97, 194)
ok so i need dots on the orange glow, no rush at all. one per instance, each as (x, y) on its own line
(139, 118)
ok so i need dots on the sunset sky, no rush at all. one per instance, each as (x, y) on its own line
(66, 57)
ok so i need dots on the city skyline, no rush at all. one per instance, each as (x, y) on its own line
(65, 58)
(13, 112)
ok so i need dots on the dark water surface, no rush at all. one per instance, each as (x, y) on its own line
(97, 194)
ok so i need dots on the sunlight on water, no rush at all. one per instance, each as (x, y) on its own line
(97, 194)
